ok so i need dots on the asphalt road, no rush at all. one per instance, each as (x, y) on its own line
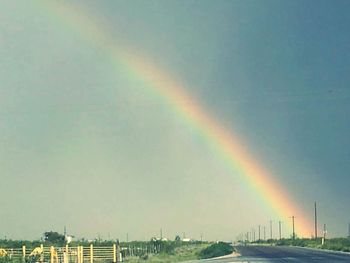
(274, 254)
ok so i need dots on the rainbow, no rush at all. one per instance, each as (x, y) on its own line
(227, 145)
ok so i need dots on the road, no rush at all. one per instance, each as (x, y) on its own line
(274, 254)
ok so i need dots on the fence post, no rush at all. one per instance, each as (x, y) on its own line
(24, 253)
(78, 254)
(51, 254)
(114, 253)
(66, 258)
(42, 253)
(91, 253)
(82, 254)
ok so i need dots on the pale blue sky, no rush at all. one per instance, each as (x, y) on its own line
(83, 144)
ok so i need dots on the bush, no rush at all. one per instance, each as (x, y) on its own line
(216, 250)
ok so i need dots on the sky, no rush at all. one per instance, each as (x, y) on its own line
(87, 145)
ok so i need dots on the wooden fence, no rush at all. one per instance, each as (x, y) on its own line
(66, 254)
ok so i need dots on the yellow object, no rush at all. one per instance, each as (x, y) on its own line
(91, 253)
(81, 254)
(24, 252)
(66, 255)
(78, 254)
(42, 253)
(53, 255)
(37, 251)
(3, 252)
(114, 253)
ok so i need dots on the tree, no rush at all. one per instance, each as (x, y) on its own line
(54, 237)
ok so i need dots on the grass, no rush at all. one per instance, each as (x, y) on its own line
(183, 253)
(336, 244)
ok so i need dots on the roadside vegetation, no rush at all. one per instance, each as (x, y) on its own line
(175, 253)
(183, 252)
(336, 244)
(216, 250)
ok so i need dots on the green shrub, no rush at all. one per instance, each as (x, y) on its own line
(216, 250)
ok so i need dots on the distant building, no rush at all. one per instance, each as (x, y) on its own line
(159, 239)
(68, 238)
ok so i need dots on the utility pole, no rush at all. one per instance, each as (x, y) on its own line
(161, 234)
(315, 221)
(271, 229)
(349, 231)
(127, 237)
(264, 232)
(259, 233)
(293, 217)
(280, 229)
